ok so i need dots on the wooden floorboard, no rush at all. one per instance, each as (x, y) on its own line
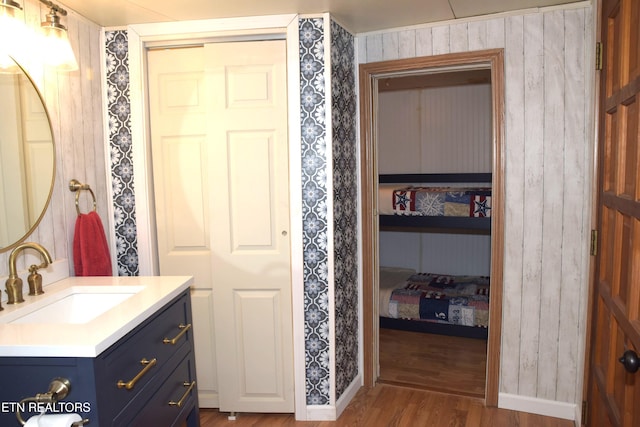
(426, 380)
(442, 363)
(387, 406)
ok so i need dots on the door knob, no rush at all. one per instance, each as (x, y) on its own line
(630, 361)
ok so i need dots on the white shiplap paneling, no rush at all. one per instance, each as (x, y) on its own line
(456, 129)
(534, 172)
(553, 158)
(399, 132)
(578, 152)
(74, 103)
(514, 204)
(436, 252)
(546, 53)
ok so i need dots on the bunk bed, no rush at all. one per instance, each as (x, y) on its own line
(435, 302)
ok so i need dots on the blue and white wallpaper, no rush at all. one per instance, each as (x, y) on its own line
(314, 210)
(119, 112)
(345, 202)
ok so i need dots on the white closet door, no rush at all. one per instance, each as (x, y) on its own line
(250, 227)
(219, 142)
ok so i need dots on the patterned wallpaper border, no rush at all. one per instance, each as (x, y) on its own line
(119, 113)
(314, 210)
(345, 202)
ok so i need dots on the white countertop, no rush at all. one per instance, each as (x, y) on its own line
(51, 339)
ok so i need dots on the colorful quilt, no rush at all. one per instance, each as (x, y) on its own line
(459, 300)
(442, 201)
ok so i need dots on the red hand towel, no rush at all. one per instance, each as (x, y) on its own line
(90, 249)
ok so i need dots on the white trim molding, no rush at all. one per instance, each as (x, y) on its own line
(533, 405)
(348, 394)
(333, 412)
(321, 412)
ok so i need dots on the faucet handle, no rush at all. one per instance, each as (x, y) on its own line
(35, 280)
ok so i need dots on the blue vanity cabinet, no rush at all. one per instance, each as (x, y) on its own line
(147, 378)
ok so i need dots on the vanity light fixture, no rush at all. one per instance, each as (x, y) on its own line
(57, 51)
(13, 31)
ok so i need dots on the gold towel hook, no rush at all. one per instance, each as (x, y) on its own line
(76, 186)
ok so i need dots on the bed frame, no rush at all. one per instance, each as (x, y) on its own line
(434, 328)
(435, 224)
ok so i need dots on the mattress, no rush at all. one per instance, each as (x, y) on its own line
(463, 201)
(390, 279)
(439, 298)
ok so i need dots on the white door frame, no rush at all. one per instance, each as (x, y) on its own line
(175, 33)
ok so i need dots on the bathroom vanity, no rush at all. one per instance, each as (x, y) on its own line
(124, 343)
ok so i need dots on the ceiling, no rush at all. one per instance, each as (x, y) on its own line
(357, 16)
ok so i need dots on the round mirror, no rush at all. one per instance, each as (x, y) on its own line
(27, 157)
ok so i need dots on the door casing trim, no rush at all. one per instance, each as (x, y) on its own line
(369, 73)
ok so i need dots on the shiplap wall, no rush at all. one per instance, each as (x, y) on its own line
(74, 103)
(548, 154)
(435, 130)
(440, 253)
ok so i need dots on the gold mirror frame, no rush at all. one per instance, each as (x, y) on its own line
(32, 226)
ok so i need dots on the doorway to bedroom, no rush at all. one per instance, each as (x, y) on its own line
(432, 222)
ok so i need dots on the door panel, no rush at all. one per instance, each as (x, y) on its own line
(180, 162)
(251, 262)
(259, 342)
(250, 156)
(219, 143)
(180, 152)
(614, 391)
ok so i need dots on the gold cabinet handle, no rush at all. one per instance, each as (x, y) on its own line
(180, 402)
(148, 364)
(174, 340)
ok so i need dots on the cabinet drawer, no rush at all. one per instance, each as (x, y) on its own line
(126, 369)
(174, 399)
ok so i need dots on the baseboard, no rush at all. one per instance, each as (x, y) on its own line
(549, 408)
(332, 412)
(208, 399)
(321, 413)
(348, 395)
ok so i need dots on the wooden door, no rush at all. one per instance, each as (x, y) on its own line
(614, 383)
(250, 232)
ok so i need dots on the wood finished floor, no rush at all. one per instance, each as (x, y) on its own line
(441, 363)
(389, 406)
(423, 363)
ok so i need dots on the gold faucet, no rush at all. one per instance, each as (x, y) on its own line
(14, 283)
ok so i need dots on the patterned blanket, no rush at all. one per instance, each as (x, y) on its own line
(460, 300)
(442, 201)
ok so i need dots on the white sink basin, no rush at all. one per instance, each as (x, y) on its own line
(77, 305)
(83, 316)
